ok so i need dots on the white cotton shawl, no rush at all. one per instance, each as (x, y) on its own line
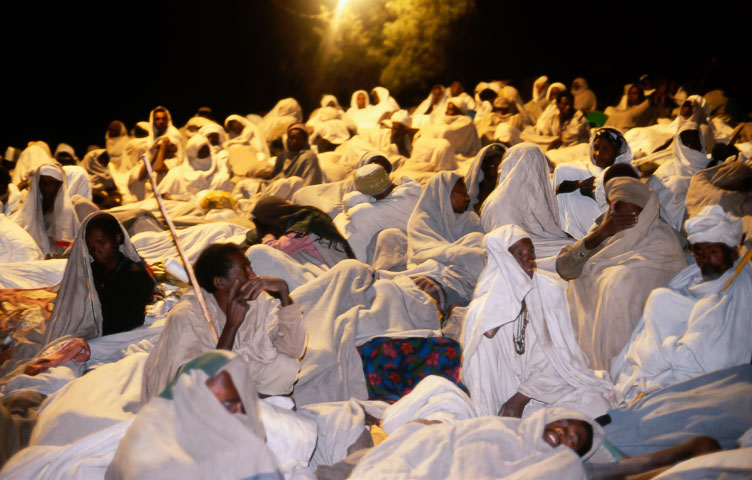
(193, 436)
(713, 225)
(251, 136)
(171, 131)
(491, 368)
(523, 197)
(459, 130)
(31, 218)
(479, 448)
(115, 146)
(206, 130)
(31, 158)
(607, 299)
(475, 173)
(100, 177)
(540, 93)
(284, 113)
(197, 174)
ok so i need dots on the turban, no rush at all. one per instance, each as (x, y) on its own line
(714, 225)
(629, 190)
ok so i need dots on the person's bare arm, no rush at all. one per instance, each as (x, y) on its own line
(157, 161)
(514, 406)
(236, 309)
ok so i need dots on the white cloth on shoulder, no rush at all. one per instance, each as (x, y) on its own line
(196, 173)
(551, 370)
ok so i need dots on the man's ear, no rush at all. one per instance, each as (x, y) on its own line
(218, 282)
(119, 239)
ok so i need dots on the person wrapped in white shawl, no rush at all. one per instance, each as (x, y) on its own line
(457, 128)
(694, 325)
(579, 185)
(47, 212)
(202, 170)
(671, 181)
(443, 228)
(519, 349)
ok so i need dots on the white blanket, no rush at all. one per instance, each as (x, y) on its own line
(155, 246)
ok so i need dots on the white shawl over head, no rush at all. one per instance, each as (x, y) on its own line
(197, 174)
(491, 368)
(475, 172)
(31, 218)
(540, 88)
(251, 135)
(31, 158)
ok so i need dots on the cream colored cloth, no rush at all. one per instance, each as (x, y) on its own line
(714, 225)
(270, 340)
(710, 187)
(284, 113)
(115, 146)
(251, 136)
(18, 245)
(192, 435)
(607, 299)
(436, 232)
(523, 197)
(478, 448)
(61, 231)
(196, 174)
(458, 130)
(31, 158)
(552, 370)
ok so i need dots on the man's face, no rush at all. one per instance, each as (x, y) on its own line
(65, 158)
(604, 152)
(171, 150)
(398, 133)
(714, 258)
(375, 98)
(459, 197)
(296, 140)
(566, 109)
(213, 138)
(691, 139)
(686, 109)
(160, 122)
(524, 252)
(49, 187)
(634, 96)
(626, 208)
(570, 433)
(102, 246)
(456, 88)
(436, 95)
(222, 386)
(104, 159)
(113, 130)
(453, 110)
(361, 100)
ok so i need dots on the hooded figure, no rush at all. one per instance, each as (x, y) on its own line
(671, 181)
(275, 123)
(486, 447)
(298, 160)
(584, 98)
(115, 140)
(199, 427)
(202, 170)
(611, 283)
(155, 132)
(31, 158)
(579, 208)
(436, 231)
(250, 135)
(458, 128)
(99, 173)
(55, 229)
(538, 102)
(531, 349)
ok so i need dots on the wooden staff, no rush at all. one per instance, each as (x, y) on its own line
(186, 263)
(738, 269)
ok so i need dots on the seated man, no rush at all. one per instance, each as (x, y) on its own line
(614, 268)
(694, 325)
(519, 350)
(379, 204)
(165, 148)
(298, 160)
(564, 128)
(268, 333)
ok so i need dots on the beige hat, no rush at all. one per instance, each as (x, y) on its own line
(372, 179)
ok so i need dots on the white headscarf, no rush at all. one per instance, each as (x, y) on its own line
(624, 155)
(714, 225)
(206, 130)
(538, 95)
(116, 145)
(31, 158)
(31, 218)
(475, 172)
(690, 160)
(251, 135)
(99, 175)
(196, 174)
(551, 88)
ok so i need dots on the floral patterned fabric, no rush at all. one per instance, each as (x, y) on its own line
(394, 366)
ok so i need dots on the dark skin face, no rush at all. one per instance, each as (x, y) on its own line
(567, 432)
(436, 95)
(296, 140)
(686, 109)
(361, 100)
(566, 109)
(456, 88)
(160, 122)
(49, 187)
(459, 197)
(374, 98)
(234, 127)
(714, 258)
(213, 138)
(604, 152)
(691, 139)
(453, 110)
(65, 158)
(398, 133)
(103, 247)
(222, 386)
(634, 96)
(113, 130)
(552, 94)
(524, 252)
(104, 159)
(204, 151)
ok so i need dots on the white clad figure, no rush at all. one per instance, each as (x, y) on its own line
(457, 128)
(377, 205)
(693, 326)
(579, 185)
(202, 170)
(519, 348)
(671, 181)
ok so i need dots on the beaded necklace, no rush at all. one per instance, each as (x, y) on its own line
(519, 334)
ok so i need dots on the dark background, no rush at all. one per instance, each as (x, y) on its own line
(70, 70)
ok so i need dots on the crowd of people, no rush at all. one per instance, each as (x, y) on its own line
(476, 286)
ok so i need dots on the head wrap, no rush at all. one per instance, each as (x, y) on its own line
(714, 225)
(51, 171)
(629, 190)
(401, 116)
(460, 102)
(372, 179)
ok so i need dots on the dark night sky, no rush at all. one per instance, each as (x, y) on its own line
(69, 70)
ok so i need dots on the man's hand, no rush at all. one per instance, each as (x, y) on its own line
(614, 223)
(514, 406)
(567, 186)
(271, 285)
(587, 187)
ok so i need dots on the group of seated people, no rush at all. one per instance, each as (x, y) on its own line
(476, 286)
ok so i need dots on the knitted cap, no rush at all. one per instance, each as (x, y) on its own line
(372, 179)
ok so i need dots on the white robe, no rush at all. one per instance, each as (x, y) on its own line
(459, 130)
(689, 328)
(196, 174)
(552, 370)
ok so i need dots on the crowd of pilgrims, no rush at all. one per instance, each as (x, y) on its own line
(473, 287)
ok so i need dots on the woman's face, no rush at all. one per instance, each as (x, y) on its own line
(524, 252)
(634, 95)
(102, 246)
(361, 100)
(459, 197)
(604, 152)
